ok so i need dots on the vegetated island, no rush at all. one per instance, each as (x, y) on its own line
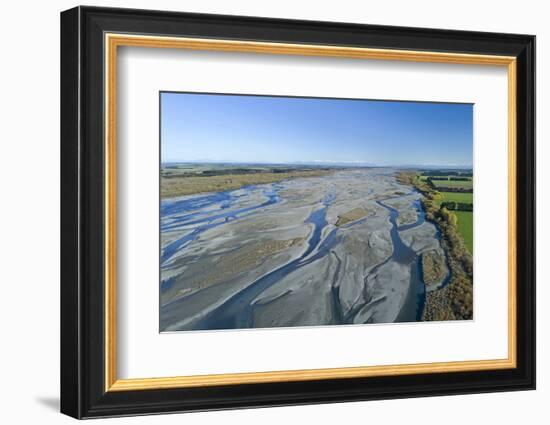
(188, 178)
(443, 207)
(350, 216)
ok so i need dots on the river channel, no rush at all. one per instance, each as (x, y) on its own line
(192, 216)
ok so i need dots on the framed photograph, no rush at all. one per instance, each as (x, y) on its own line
(261, 212)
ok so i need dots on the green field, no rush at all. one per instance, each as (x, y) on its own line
(466, 228)
(453, 183)
(465, 198)
(465, 218)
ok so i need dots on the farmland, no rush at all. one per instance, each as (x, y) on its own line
(464, 218)
(466, 228)
(463, 197)
(461, 184)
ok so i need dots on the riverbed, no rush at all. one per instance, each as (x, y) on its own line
(273, 255)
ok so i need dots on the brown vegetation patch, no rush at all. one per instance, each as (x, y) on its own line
(188, 185)
(433, 267)
(352, 215)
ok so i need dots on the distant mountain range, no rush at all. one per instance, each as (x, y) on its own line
(324, 163)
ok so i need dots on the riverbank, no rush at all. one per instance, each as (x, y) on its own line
(174, 186)
(455, 300)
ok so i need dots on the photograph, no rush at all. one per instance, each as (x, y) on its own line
(285, 211)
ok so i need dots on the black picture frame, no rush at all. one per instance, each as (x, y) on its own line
(83, 392)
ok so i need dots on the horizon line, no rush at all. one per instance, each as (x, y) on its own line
(314, 162)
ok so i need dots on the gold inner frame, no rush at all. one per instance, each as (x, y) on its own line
(113, 41)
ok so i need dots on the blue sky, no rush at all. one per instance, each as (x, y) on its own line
(210, 127)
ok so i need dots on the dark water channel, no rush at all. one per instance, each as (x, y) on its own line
(414, 302)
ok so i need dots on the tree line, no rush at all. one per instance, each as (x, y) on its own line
(448, 189)
(457, 206)
(454, 179)
(447, 173)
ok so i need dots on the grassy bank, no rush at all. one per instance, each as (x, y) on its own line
(454, 301)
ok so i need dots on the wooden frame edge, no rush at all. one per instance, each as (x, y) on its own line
(114, 40)
(512, 212)
(110, 213)
(137, 384)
